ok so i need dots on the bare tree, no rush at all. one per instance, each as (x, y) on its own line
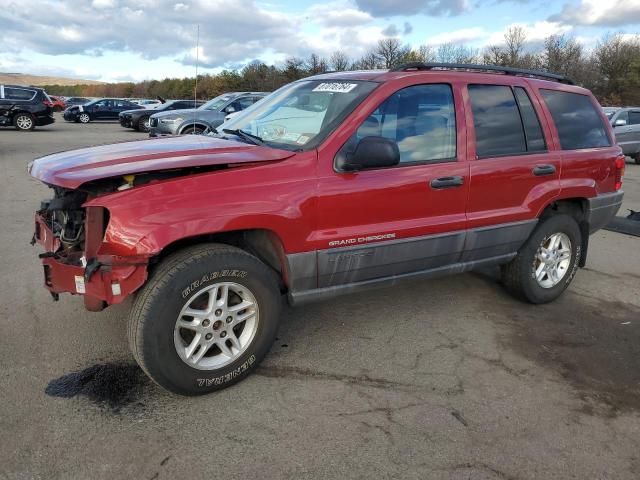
(369, 61)
(563, 55)
(390, 52)
(453, 53)
(339, 61)
(514, 40)
(315, 64)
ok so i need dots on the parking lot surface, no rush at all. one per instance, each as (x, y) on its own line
(441, 379)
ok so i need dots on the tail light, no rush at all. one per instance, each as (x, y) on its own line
(619, 165)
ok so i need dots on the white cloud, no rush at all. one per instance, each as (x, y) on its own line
(338, 14)
(599, 12)
(534, 32)
(464, 35)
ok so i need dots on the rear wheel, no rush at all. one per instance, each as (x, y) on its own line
(205, 319)
(24, 122)
(636, 157)
(547, 262)
(84, 117)
(143, 124)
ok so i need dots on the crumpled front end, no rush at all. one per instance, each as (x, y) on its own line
(72, 236)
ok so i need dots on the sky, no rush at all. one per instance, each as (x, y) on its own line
(133, 40)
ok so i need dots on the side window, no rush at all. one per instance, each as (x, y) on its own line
(18, 94)
(101, 104)
(623, 116)
(497, 121)
(578, 122)
(634, 117)
(421, 119)
(532, 129)
(244, 102)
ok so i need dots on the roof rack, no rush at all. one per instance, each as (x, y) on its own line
(521, 72)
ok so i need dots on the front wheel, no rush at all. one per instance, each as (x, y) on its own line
(84, 117)
(193, 131)
(636, 158)
(205, 319)
(547, 262)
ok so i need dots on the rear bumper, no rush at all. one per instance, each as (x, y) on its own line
(44, 120)
(602, 209)
(103, 280)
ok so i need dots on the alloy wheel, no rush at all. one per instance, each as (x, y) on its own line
(216, 326)
(552, 260)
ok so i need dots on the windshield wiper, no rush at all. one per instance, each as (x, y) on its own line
(249, 137)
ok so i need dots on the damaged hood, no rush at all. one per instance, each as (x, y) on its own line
(76, 167)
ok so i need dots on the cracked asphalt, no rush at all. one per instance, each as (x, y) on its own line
(439, 379)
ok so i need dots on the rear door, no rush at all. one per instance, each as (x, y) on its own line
(100, 109)
(384, 222)
(513, 172)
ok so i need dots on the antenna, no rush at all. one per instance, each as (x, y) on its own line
(195, 90)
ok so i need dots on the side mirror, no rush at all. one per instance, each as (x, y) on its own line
(620, 123)
(229, 109)
(370, 152)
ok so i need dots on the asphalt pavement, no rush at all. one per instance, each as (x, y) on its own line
(441, 379)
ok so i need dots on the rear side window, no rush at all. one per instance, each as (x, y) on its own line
(497, 121)
(634, 118)
(18, 93)
(577, 120)
(532, 129)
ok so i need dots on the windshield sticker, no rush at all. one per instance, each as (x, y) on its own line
(335, 87)
(290, 137)
(302, 139)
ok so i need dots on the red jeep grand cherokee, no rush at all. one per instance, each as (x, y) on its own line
(332, 184)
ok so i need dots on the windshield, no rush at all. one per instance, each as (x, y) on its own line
(216, 103)
(302, 113)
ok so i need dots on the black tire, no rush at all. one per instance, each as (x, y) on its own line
(192, 131)
(84, 117)
(519, 276)
(636, 158)
(24, 122)
(140, 126)
(175, 282)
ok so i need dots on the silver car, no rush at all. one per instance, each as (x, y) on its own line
(626, 126)
(204, 118)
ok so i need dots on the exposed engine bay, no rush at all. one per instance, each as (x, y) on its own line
(65, 216)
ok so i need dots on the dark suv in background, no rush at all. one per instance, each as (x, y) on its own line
(207, 117)
(101, 109)
(139, 119)
(24, 107)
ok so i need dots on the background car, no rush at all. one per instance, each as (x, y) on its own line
(147, 103)
(71, 101)
(57, 103)
(24, 107)
(207, 117)
(626, 126)
(139, 119)
(101, 109)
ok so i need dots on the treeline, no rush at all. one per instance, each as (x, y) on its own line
(611, 69)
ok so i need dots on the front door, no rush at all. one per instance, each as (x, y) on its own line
(392, 221)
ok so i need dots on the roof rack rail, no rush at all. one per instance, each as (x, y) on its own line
(483, 68)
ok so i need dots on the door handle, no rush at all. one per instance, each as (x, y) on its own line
(447, 182)
(541, 170)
